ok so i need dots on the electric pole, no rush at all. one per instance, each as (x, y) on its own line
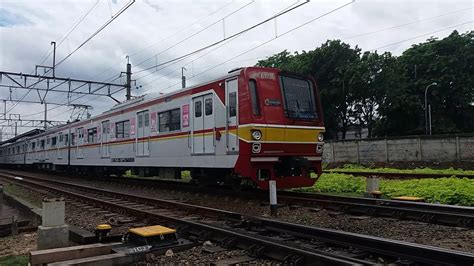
(128, 84)
(183, 78)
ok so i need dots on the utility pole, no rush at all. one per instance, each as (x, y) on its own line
(54, 57)
(183, 78)
(45, 115)
(428, 110)
(128, 84)
(16, 128)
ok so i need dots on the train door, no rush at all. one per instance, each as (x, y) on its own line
(104, 139)
(143, 133)
(208, 117)
(198, 126)
(80, 142)
(231, 99)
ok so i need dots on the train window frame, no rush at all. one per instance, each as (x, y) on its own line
(54, 141)
(124, 131)
(92, 135)
(233, 104)
(198, 110)
(206, 113)
(42, 144)
(314, 102)
(254, 98)
(169, 125)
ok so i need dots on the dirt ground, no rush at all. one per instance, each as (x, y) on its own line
(17, 245)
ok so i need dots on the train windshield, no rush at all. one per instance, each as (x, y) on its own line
(299, 98)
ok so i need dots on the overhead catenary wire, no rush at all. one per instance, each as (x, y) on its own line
(182, 29)
(224, 43)
(81, 19)
(224, 39)
(196, 33)
(270, 40)
(81, 45)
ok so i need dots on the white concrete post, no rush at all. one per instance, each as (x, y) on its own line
(53, 233)
(357, 151)
(1, 201)
(371, 185)
(458, 150)
(386, 151)
(273, 197)
(419, 148)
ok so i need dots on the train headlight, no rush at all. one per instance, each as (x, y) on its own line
(320, 137)
(257, 135)
(256, 147)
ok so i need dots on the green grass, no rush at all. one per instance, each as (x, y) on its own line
(14, 260)
(358, 168)
(449, 190)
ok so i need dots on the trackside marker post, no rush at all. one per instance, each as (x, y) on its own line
(273, 197)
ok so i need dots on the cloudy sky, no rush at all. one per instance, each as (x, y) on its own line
(152, 32)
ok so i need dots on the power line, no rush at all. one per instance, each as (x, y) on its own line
(196, 33)
(167, 37)
(98, 31)
(416, 37)
(224, 43)
(276, 37)
(226, 38)
(82, 44)
(48, 54)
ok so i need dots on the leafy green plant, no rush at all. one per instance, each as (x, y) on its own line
(359, 168)
(449, 190)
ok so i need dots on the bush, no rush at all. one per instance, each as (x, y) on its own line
(450, 190)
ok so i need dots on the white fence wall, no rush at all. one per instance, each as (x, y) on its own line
(445, 148)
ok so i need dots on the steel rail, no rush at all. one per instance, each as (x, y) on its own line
(412, 251)
(395, 175)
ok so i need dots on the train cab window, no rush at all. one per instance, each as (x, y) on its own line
(254, 97)
(92, 135)
(198, 109)
(208, 106)
(232, 104)
(170, 120)
(122, 129)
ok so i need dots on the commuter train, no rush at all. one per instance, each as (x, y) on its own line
(246, 128)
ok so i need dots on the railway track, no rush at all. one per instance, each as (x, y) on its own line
(290, 243)
(443, 214)
(395, 175)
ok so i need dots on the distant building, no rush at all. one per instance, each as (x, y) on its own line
(354, 132)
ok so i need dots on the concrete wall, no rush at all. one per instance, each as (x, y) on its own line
(414, 148)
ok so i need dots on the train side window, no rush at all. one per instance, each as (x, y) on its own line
(254, 97)
(42, 144)
(146, 119)
(169, 120)
(92, 135)
(33, 145)
(122, 129)
(208, 106)
(198, 109)
(53, 141)
(232, 104)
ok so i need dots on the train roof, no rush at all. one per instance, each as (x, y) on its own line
(27, 134)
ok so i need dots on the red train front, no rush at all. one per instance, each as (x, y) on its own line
(278, 126)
